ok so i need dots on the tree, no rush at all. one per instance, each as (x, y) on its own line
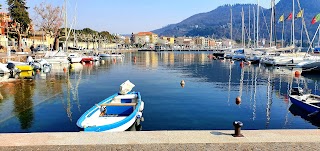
(49, 19)
(20, 16)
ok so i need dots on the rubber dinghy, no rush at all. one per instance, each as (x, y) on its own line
(114, 114)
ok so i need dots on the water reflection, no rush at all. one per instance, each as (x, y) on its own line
(297, 111)
(210, 85)
(23, 102)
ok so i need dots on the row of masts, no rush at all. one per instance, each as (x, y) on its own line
(272, 34)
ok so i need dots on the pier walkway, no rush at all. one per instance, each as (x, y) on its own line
(165, 140)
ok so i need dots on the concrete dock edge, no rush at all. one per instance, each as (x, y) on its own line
(164, 140)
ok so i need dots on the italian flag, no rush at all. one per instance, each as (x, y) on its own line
(315, 19)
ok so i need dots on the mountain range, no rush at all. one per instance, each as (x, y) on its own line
(216, 23)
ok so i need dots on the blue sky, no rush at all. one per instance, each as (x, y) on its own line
(126, 16)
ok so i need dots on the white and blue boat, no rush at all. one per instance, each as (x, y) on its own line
(307, 102)
(114, 114)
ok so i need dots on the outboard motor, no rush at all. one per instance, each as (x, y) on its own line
(11, 67)
(297, 91)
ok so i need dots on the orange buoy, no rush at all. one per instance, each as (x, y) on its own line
(238, 100)
(297, 74)
(64, 69)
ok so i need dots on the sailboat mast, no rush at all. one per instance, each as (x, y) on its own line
(282, 41)
(231, 24)
(254, 27)
(243, 37)
(274, 23)
(258, 24)
(65, 25)
(301, 40)
(293, 16)
(249, 42)
(319, 40)
(271, 24)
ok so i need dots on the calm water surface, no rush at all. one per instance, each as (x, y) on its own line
(53, 102)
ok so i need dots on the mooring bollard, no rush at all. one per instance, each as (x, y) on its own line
(237, 128)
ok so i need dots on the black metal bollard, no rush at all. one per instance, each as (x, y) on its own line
(237, 128)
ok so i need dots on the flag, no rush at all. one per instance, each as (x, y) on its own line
(281, 19)
(299, 15)
(289, 17)
(315, 19)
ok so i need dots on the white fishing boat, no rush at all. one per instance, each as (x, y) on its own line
(113, 54)
(115, 113)
(56, 57)
(74, 57)
(310, 65)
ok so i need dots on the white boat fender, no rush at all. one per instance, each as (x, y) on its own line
(141, 106)
(139, 114)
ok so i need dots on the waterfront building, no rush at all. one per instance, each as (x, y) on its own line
(185, 42)
(4, 22)
(146, 38)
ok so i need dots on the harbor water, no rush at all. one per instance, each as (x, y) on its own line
(53, 102)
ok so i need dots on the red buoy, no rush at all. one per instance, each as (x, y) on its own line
(238, 100)
(297, 74)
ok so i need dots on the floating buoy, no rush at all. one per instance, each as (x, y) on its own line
(248, 62)
(241, 63)
(231, 61)
(297, 74)
(182, 83)
(91, 62)
(102, 61)
(83, 63)
(238, 100)
(64, 69)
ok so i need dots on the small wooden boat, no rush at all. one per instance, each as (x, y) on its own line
(114, 114)
(308, 102)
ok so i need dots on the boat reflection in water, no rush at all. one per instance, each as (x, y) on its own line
(297, 111)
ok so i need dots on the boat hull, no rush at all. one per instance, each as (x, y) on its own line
(91, 121)
(305, 106)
